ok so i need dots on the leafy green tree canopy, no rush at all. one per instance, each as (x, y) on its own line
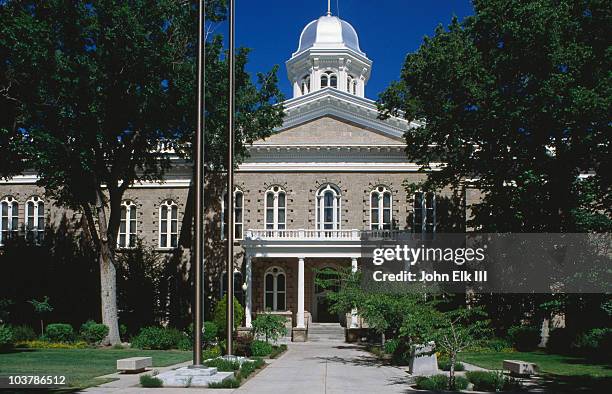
(517, 99)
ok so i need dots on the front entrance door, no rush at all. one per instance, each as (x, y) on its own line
(321, 303)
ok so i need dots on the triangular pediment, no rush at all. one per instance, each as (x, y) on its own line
(329, 130)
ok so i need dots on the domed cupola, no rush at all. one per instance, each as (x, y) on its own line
(329, 56)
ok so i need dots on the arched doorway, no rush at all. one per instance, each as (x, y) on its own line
(321, 312)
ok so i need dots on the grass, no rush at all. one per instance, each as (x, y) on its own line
(564, 373)
(80, 366)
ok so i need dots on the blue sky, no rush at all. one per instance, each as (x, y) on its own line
(388, 30)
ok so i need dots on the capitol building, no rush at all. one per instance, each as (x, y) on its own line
(303, 198)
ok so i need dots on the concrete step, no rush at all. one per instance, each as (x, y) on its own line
(323, 332)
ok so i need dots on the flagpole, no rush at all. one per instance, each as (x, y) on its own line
(230, 181)
(199, 189)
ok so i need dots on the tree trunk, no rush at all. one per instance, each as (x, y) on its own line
(108, 277)
(451, 375)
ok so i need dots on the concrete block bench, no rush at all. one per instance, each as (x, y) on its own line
(134, 364)
(520, 368)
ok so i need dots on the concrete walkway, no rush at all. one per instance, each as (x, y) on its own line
(327, 367)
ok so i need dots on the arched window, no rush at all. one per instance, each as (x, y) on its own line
(238, 214)
(127, 225)
(351, 85)
(35, 220)
(333, 81)
(168, 224)
(424, 212)
(276, 208)
(328, 208)
(306, 84)
(275, 289)
(380, 209)
(324, 81)
(9, 218)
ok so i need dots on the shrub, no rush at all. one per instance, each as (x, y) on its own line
(435, 383)
(211, 331)
(594, 343)
(278, 350)
(559, 341)
(158, 338)
(93, 333)
(499, 345)
(391, 345)
(23, 333)
(246, 369)
(524, 338)
(60, 332)
(229, 383)
(150, 381)
(491, 381)
(211, 352)
(260, 348)
(223, 365)
(6, 337)
(220, 311)
(444, 364)
(242, 346)
(42, 344)
(439, 383)
(270, 326)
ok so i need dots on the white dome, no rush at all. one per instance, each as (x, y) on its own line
(329, 32)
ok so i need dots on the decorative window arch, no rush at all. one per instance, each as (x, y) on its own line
(306, 84)
(381, 204)
(275, 289)
(168, 224)
(127, 226)
(328, 204)
(238, 214)
(329, 79)
(424, 219)
(35, 220)
(275, 208)
(9, 218)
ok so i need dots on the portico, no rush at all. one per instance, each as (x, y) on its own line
(288, 260)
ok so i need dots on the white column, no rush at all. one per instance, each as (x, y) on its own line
(300, 311)
(248, 309)
(296, 89)
(354, 317)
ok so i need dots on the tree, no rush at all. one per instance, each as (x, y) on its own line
(41, 307)
(270, 326)
(456, 330)
(101, 92)
(517, 99)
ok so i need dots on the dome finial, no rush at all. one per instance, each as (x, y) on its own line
(328, 7)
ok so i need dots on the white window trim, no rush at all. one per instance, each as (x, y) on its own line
(274, 291)
(169, 204)
(37, 228)
(237, 237)
(381, 207)
(9, 201)
(129, 205)
(275, 207)
(320, 208)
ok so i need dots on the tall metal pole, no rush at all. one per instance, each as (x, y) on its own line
(199, 191)
(230, 181)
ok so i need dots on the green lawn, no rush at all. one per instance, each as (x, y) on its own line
(564, 373)
(80, 366)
